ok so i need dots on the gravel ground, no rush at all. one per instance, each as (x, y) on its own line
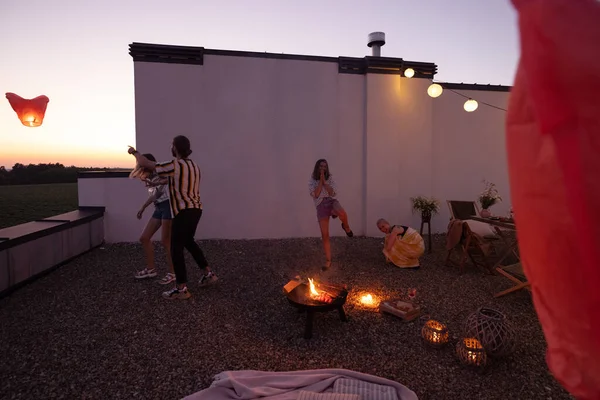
(89, 330)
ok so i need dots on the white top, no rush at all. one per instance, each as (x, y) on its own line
(312, 187)
(162, 190)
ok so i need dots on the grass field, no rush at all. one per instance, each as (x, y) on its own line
(24, 203)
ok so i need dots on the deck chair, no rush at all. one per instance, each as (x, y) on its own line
(515, 274)
(477, 237)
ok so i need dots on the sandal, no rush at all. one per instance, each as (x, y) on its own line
(145, 273)
(168, 278)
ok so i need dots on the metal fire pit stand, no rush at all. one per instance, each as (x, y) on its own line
(300, 298)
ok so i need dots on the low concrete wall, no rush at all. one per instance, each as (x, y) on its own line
(31, 249)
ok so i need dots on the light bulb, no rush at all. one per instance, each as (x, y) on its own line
(470, 105)
(409, 72)
(434, 90)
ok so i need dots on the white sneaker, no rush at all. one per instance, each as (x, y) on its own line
(208, 279)
(177, 294)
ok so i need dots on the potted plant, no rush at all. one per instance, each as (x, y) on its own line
(426, 206)
(488, 198)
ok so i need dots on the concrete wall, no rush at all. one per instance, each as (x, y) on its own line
(30, 249)
(257, 126)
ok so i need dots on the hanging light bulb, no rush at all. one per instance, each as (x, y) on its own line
(435, 90)
(409, 72)
(470, 105)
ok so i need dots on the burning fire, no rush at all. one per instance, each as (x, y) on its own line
(313, 290)
(367, 300)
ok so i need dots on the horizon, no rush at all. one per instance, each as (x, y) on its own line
(66, 53)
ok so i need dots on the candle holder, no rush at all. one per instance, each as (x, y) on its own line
(435, 333)
(471, 353)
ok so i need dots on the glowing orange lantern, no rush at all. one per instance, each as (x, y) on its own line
(30, 111)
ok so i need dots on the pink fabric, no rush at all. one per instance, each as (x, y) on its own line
(287, 385)
(553, 145)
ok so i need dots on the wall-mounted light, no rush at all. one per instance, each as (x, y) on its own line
(409, 72)
(435, 90)
(470, 105)
(30, 111)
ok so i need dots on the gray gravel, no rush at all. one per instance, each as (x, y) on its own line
(89, 330)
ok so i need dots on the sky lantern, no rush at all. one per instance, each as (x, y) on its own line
(552, 137)
(30, 111)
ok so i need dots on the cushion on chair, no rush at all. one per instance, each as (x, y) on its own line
(482, 229)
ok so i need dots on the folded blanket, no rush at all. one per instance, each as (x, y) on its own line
(267, 385)
(366, 390)
(304, 395)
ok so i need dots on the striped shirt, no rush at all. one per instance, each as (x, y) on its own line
(313, 185)
(184, 183)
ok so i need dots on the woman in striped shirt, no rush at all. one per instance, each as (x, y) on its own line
(322, 189)
(186, 208)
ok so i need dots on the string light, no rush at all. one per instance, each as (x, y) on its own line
(435, 90)
(409, 72)
(470, 105)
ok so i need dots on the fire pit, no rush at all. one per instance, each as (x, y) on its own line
(320, 298)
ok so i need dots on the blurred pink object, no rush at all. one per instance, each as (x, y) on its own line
(553, 146)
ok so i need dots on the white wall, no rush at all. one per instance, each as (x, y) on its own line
(122, 198)
(257, 126)
(468, 147)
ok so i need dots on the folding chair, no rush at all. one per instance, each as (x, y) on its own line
(477, 237)
(515, 274)
(469, 245)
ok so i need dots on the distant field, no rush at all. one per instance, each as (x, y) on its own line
(25, 203)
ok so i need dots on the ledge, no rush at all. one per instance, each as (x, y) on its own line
(160, 53)
(103, 174)
(19, 234)
(475, 86)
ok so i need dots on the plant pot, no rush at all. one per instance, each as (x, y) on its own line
(485, 213)
(426, 217)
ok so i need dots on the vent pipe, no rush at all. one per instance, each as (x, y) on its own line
(376, 40)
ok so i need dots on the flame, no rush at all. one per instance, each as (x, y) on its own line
(313, 290)
(367, 299)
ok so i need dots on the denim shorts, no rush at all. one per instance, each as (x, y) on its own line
(162, 210)
(326, 208)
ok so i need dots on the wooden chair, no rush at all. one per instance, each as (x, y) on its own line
(477, 246)
(515, 274)
(473, 246)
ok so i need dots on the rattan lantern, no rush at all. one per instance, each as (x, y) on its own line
(435, 333)
(471, 353)
(492, 330)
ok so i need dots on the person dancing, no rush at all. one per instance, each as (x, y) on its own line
(186, 207)
(322, 189)
(158, 190)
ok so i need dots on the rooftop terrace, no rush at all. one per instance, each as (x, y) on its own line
(90, 330)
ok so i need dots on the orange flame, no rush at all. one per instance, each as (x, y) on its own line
(313, 290)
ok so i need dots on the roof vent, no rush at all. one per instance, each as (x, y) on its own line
(376, 40)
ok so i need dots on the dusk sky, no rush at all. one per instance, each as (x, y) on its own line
(76, 53)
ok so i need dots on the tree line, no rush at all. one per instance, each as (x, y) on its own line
(35, 174)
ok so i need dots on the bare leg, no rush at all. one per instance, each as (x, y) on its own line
(324, 225)
(341, 213)
(146, 240)
(166, 241)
